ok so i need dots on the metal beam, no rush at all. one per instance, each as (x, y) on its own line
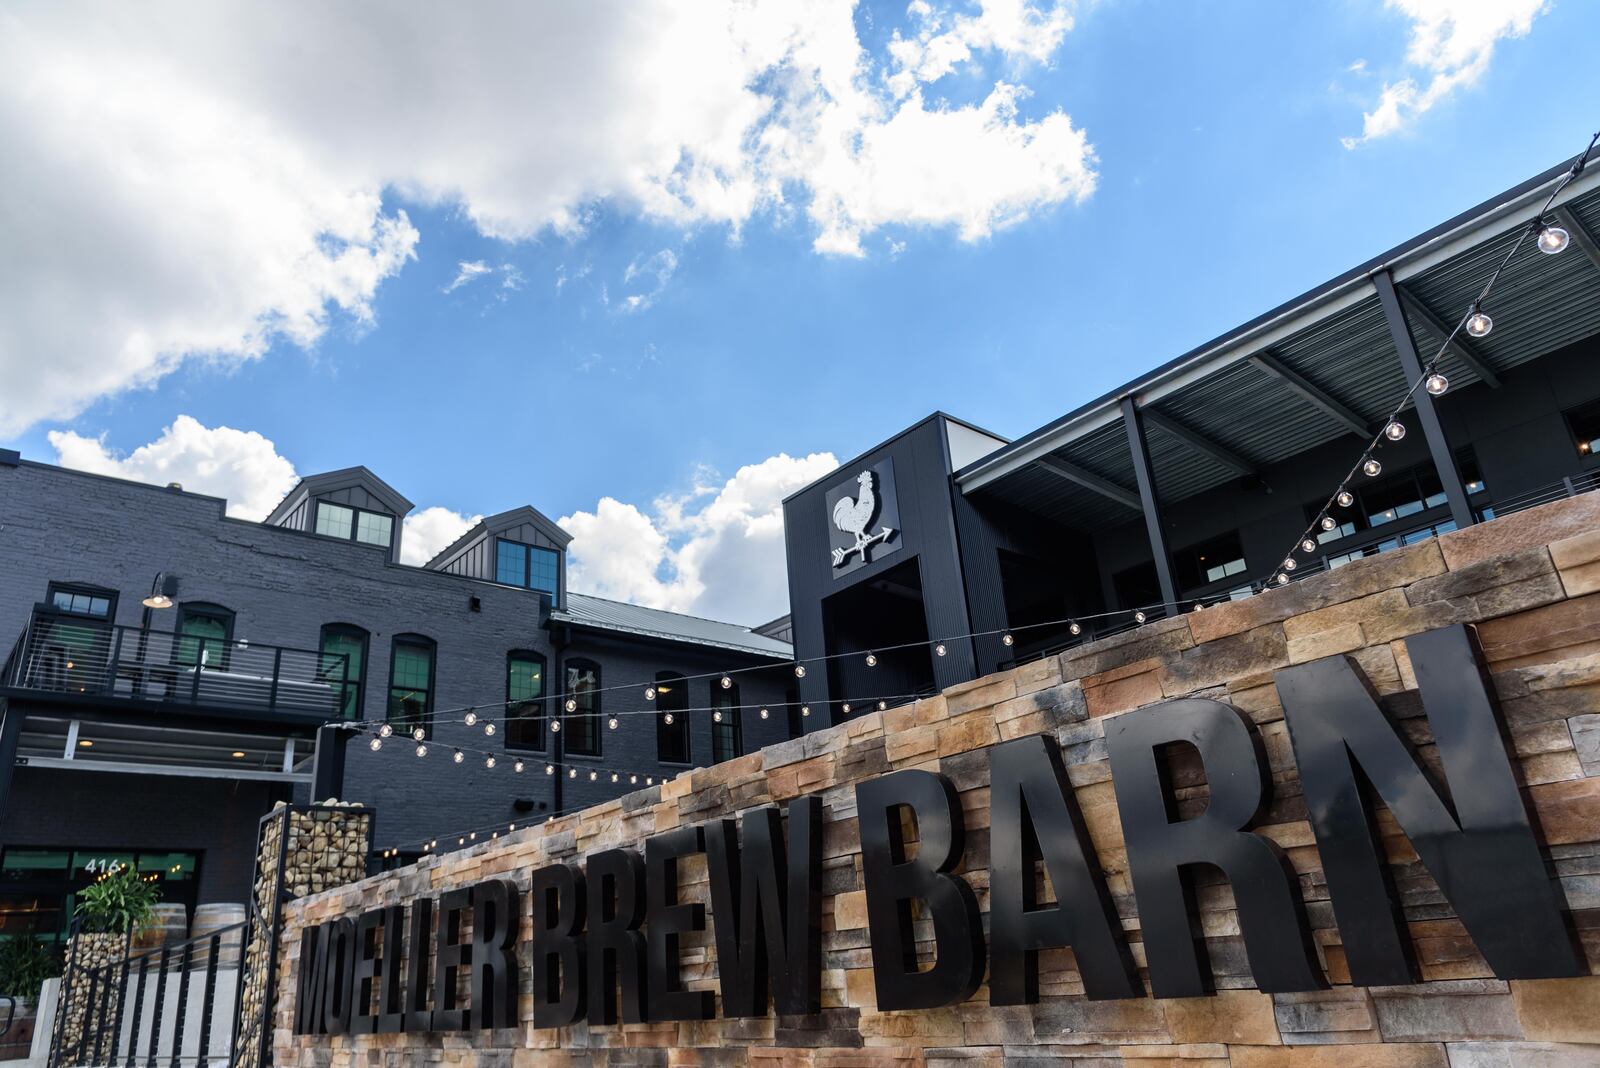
(1147, 498)
(1316, 397)
(1580, 233)
(1090, 481)
(1198, 442)
(1464, 352)
(1444, 460)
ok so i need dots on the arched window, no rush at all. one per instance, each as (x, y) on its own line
(524, 700)
(411, 683)
(349, 675)
(727, 731)
(672, 697)
(582, 724)
(204, 631)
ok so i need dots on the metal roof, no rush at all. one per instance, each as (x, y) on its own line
(1232, 391)
(598, 613)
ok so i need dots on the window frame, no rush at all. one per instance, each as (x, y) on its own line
(350, 630)
(1189, 567)
(1588, 409)
(727, 700)
(528, 551)
(591, 713)
(86, 589)
(431, 647)
(355, 523)
(203, 610)
(539, 716)
(680, 723)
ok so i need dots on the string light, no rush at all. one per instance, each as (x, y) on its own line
(519, 767)
(488, 728)
(612, 723)
(939, 649)
(799, 671)
(1371, 467)
(667, 718)
(1478, 323)
(422, 750)
(385, 731)
(1289, 564)
(376, 743)
(549, 769)
(1075, 628)
(883, 706)
(419, 735)
(845, 708)
(593, 775)
(1553, 240)
(459, 756)
(1345, 499)
(1436, 384)
(727, 683)
(716, 717)
(571, 705)
(1282, 578)
(1309, 545)
(1395, 430)
(471, 717)
(555, 726)
(1139, 616)
(488, 761)
(1328, 522)
(872, 660)
(572, 773)
(805, 710)
(1006, 639)
(649, 693)
(765, 713)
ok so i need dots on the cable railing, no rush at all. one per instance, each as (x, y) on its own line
(77, 657)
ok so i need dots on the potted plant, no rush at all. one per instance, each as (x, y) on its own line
(25, 963)
(119, 902)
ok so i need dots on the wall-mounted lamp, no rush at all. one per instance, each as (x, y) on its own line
(163, 588)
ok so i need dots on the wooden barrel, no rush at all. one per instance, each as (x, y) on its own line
(169, 926)
(208, 920)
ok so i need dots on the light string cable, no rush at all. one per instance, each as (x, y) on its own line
(468, 714)
(1551, 239)
(470, 836)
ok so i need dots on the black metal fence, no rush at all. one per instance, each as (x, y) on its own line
(148, 1008)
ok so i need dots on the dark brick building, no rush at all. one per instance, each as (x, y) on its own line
(160, 736)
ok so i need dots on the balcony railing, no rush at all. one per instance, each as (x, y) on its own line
(78, 658)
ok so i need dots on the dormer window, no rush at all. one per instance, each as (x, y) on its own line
(354, 524)
(527, 566)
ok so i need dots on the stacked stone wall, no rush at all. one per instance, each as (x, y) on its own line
(1529, 585)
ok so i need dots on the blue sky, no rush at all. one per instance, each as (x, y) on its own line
(1221, 179)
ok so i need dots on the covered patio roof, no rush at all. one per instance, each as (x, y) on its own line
(1316, 368)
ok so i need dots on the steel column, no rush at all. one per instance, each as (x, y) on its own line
(10, 735)
(1444, 460)
(327, 766)
(1147, 498)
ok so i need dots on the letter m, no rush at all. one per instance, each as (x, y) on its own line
(1471, 832)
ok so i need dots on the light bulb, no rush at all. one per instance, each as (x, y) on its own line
(572, 705)
(805, 710)
(667, 719)
(799, 671)
(572, 773)
(385, 731)
(872, 660)
(1006, 639)
(459, 757)
(765, 713)
(649, 780)
(519, 767)
(549, 769)
(1309, 546)
(1553, 239)
(649, 693)
(461, 841)
(472, 717)
(716, 716)
(1371, 467)
(633, 780)
(488, 762)
(613, 776)
(1289, 564)
(727, 683)
(1075, 628)
(593, 775)
(1328, 523)
(1345, 498)
(612, 723)
(1138, 617)
(883, 706)
(939, 649)
(1282, 578)
(376, 743)
(488, 728)
(555, 726)
(419, 734)
(422, 751)
(1479, 324)
(1395, 430)
(1436, 383)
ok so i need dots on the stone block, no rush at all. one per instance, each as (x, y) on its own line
(1520, 1055)
(1559, 1010)
(1119, 650)
(1424, 1012)
(1385, 1055)
(1341, 1014)
(981, 693)
(1133, 1019)
(1567, 811)
(1344, 613)
(967, 733)
(1122, 688)
(1229, 1016)
(1543, 525)
(1562, 630)
(1216, 662)
(1308, 647)
(1585, 731)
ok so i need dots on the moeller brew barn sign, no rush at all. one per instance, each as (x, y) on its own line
(603, 942)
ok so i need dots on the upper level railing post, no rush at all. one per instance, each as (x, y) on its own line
(277, 672)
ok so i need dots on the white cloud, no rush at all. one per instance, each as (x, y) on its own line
(716, 551)
(467, 272)
(655, 271)
(1451, 44)
(429, 530)
(193, 182)
(240, 465)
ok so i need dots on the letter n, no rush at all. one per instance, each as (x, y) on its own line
(1474, 838)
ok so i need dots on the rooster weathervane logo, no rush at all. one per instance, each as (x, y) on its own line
(854, 516)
